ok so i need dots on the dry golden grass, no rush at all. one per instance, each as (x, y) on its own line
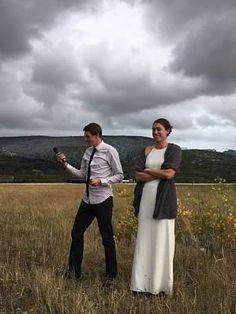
(35, 237)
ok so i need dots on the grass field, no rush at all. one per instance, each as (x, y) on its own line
(35, 237)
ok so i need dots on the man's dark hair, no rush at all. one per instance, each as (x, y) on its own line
(164, 123)
(93, 128)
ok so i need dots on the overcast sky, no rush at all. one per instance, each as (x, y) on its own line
(122, 64)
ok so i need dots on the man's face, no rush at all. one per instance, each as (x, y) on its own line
(90, 139)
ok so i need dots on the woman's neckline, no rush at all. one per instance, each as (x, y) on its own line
(160, 148)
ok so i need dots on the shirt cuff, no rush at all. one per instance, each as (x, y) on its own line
(104, 182)
(67, 165)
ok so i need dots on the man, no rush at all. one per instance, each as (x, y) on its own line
(100, 168)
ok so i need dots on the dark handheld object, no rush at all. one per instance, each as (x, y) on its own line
(80, 181)
(56, 151)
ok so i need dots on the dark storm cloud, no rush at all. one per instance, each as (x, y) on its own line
(125, 86)
(143, 120)
(110, 87)
(16, 110)
(210, 53)
(174, 18)
(122, 102)
(52, 74)
(203, 37)
(54, 71)
(22, 20)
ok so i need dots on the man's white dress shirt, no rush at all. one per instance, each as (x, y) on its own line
(105, 166)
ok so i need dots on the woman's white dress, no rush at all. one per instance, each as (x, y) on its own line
(152, 269)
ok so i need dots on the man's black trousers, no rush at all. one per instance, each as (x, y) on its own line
(84, 217)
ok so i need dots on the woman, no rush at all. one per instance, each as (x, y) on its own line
(156, 205)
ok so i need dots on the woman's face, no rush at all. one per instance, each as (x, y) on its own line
(159, 133)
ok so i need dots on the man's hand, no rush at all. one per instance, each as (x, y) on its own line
(61, 158)
(95, 182)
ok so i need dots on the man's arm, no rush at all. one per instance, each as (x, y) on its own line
(116, 167)
(78, 173)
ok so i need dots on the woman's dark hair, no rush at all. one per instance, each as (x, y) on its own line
(164, 123)
(93, 128)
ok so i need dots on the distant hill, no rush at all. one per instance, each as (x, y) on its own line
(230, 152)
(31, 159)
